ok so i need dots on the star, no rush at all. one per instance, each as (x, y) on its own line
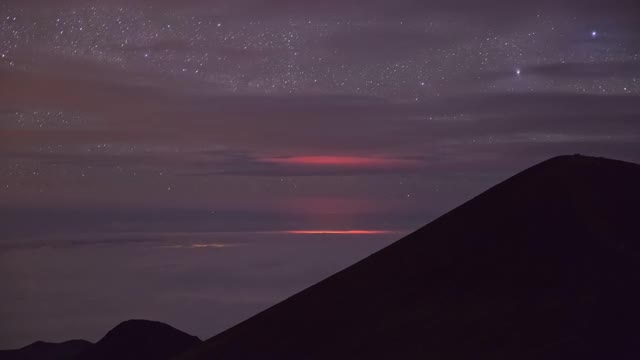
(518, 72)
(594, 34)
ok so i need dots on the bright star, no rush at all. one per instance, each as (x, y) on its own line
(517, 71)
(594, 34)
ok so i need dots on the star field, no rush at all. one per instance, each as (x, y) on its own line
(199, 51)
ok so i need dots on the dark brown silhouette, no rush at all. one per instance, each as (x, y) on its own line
(542, 266)
(41, 350)
(140, 339)
(132, 339)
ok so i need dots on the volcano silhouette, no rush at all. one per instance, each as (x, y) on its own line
(140, 339)
(545, 265)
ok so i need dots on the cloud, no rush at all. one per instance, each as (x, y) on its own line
(601, 70)
(362, 42)
(315, 135)
(165, 239)
(500, 10)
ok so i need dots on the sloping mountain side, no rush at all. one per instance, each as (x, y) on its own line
(542, 266)
(41, 350)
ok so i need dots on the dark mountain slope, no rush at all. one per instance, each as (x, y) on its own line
(542, 266)
(142, 340)
(41, 350)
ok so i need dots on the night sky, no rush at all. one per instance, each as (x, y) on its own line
(197, 161)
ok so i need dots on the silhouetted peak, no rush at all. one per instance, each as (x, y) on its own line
(581, 160)
(136, 326)
(141, 339)
(562, 178)
(577, 164)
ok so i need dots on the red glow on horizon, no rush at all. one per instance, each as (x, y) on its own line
(339, 232)
(350, 161)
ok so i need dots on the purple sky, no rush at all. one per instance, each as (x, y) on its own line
(144, 142)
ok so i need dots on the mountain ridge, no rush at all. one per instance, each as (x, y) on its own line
(540, 266)
(42, 350)
(555, 238)
(140, 339)
(131, 339)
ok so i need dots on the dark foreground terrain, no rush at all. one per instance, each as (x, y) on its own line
(542, 266)
(133, 339)
(41, 350)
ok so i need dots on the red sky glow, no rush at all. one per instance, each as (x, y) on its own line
(339, 232)
(346, 161)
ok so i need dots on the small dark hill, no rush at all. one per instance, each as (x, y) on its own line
(41, 350)
(140, 339)
(542, 266)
